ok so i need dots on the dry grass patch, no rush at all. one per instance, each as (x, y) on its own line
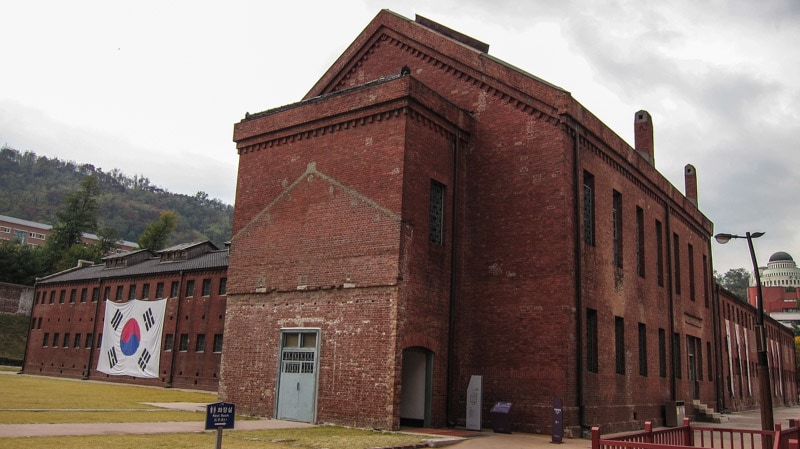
(311, 438)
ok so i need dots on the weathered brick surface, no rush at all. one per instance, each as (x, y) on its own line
(15, 299)
(334, 191)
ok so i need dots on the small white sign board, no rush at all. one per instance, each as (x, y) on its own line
(474, 402)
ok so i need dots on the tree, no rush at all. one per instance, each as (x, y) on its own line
(77, 215)
(21, 263)
(157, 233)
(736, 281)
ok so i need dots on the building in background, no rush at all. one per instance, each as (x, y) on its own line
(738, 381)
(780, 284)
(34, 234)
(67, 320)
(429, 213)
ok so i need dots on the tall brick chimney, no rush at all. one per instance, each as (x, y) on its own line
(643, 136)
(690, 179)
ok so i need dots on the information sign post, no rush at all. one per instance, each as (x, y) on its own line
(220, 415)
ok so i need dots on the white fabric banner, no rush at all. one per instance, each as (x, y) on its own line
(131, 344)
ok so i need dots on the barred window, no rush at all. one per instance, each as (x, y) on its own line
(159, 290)
(691, 273)
(206, 287)
(659, 253)
(217, 342)
(642, 349)
(677, 258)
(662, 353)
(174, 289)
(437, 213)
(640, 241)
(200, 344)
(588, 208)
(223, 286)
(619, 343)
(616, 212)
(168, 342)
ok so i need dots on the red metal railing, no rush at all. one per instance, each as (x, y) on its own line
(688, 436)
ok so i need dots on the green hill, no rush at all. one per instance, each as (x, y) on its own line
(33, 188)
(13, 332)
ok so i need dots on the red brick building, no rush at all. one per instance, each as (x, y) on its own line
(739, 384)
(34, 234)
(69, 309)
(428, 213)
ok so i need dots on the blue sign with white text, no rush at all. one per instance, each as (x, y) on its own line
(220, 415)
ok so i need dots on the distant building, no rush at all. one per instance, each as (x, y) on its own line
(739, 359)
(780, 284)
(35, 234)
(67, 320)
(781, 271)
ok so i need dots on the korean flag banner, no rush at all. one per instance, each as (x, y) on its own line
(131, 343)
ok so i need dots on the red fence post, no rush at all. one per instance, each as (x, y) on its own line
(648, 432)
(595, 438)
(688, 433)
(793, 444)
(772, 439)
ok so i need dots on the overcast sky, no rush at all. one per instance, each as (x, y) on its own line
(154, 87)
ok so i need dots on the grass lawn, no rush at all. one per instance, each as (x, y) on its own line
(35, 400)
(313, 438)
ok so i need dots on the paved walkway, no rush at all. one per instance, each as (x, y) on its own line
(459, 438)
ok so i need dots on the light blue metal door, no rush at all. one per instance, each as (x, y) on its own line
(298, 380)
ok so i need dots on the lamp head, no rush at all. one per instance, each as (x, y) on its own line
(723, 238)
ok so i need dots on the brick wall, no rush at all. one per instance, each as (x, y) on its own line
(15, 299)
(183, 369)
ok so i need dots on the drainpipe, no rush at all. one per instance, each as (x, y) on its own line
(579, 380)
(175, 335)
(453, 278)
(95, 335)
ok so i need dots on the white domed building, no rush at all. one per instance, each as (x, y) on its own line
(781, 271)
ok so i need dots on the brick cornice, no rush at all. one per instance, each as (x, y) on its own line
(319, 130)
(513, 96)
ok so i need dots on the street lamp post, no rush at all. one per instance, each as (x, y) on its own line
(767, 422)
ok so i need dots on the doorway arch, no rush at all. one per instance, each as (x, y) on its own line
(416, 390)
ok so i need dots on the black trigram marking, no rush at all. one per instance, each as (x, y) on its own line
(116, 319)
(112, 357)
(144, 359)
(148, 319)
